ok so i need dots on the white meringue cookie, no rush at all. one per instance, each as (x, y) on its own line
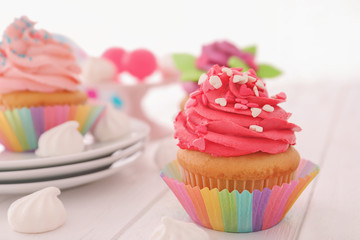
(97, 70)
(112, 125)
(61, 140)
(38, 212)
(172, 229)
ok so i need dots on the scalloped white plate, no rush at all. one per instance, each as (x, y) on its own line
(43, 174)
(20, 161)
(65, 183)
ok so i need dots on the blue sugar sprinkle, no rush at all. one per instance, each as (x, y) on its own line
(13, 51)
(26, 22)
(7, 38)
(117, 102)
(30, 58)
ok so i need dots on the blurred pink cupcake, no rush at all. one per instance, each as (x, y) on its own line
(39, 86)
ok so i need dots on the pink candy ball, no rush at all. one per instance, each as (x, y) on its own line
(140, 63)
(116, 55)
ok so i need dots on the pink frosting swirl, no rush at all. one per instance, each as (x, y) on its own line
(232, 115)
(32, 60)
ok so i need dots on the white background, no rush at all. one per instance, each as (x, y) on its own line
(309, 40)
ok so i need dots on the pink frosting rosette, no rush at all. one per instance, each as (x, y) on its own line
(35, 61)
(231, 115)
(32, 60)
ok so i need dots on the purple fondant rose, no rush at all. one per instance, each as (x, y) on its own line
(219, 53)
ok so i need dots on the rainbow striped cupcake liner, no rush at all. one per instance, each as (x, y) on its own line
(20, 129)
(238, 212)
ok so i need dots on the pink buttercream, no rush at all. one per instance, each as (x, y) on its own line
(33, 60)
(207, 126)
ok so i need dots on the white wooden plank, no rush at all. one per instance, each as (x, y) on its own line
(99, 210)
(334, 212)
(314, 111)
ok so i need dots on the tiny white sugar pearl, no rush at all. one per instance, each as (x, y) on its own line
(256, 128)
(221, 101)
(202, 78)
(260, 84)
(252, 79)
(268, 108)
(256, 91)
(228, 71)
(215, 81)
(255, 112)
(240, 79)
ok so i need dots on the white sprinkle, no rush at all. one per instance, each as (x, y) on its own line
(255, 112)
(228, 71)
(256, 91)
(221, 101)
(215, 81)
(260, 84)
(252, 79)
(236, 78)
(202, 78)
(268, 108)
(240, 79)
(256, 128)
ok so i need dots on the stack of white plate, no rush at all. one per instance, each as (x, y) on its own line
(25, 172)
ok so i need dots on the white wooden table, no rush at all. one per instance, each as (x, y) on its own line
(130, 204)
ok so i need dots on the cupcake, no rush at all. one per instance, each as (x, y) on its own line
(233, 136)
(39, 86)
(236, 169)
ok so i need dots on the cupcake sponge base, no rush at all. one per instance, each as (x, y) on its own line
(247, 172)
(34, 99)
(240, 185)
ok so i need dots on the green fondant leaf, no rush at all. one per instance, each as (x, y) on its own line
(236, 62)
(267, 71)
(184, 61)
(191, 75)
(186, 64)
(250, 49)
